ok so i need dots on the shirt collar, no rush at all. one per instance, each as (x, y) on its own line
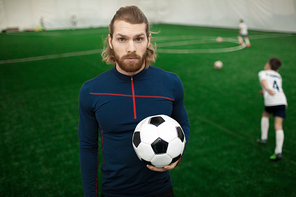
(128, 77)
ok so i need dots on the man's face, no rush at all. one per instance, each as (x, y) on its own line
(129, 43)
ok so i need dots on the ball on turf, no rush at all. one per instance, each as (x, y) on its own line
(158, 140)
(219, 39)
(218, 65)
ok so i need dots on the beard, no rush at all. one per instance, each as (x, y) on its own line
(130, 66)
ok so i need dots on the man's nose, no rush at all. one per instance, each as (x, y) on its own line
(131, 47)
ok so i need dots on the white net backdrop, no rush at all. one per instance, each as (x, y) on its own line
(268, 15)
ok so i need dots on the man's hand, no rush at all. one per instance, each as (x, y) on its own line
(163, 169)
(271, 92)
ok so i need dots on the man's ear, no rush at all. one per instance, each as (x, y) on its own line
(110, 41)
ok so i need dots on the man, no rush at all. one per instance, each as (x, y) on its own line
(275, 102)
(243, 33)
(116, 101)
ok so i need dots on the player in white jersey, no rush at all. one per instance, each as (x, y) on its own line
(243, 33)
(275, 103)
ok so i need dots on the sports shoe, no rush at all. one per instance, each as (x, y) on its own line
(276, 157)
(262, 142)
(248, 45)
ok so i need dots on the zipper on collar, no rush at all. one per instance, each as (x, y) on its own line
(134, 97)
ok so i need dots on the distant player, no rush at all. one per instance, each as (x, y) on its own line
(275, 103)
(42, 25)
(243, 33)
(73, 22)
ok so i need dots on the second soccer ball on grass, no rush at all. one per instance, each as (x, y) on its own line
(218, 65)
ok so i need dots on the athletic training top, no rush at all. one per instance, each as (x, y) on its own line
(114, 104)
(274, 82)
(243, 29)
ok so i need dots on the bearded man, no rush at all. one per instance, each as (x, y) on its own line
(114, 102)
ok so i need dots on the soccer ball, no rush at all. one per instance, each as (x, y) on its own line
(218, 65)
(219, 39)
(158, 140)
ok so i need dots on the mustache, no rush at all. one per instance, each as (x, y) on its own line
(131, 55)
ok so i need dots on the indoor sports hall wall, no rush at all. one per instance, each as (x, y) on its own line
(268, 15)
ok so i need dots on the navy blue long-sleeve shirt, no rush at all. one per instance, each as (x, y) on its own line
(112, 104)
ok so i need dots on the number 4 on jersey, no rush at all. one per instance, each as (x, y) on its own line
(275, 85)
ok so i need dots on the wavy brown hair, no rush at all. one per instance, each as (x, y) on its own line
(133, 15)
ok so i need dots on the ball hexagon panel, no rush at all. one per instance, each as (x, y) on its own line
(175, 148)
(142, 122)
(161, 160)
(172, 121)
(149, 133)
(167, 132)
(144, 151)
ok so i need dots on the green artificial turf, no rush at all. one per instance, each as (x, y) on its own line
(39, 110)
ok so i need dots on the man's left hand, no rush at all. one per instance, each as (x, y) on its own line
(163, 169)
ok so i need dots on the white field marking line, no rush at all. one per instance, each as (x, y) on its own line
(184, 37)
(54, 56)
(184, 51)
(189, 37)
(190, 42)
(187, 42)
(203, 41)
(48, 33)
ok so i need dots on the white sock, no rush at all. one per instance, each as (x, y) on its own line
(279, 141)
(240, 39)
(264, 128)
(247, 41)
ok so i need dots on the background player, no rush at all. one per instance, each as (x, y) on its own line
(42, 24)
(275, 102)
(243, 33)
(73, 22)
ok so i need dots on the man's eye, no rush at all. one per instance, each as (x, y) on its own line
(121, 39)
(139, 39)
